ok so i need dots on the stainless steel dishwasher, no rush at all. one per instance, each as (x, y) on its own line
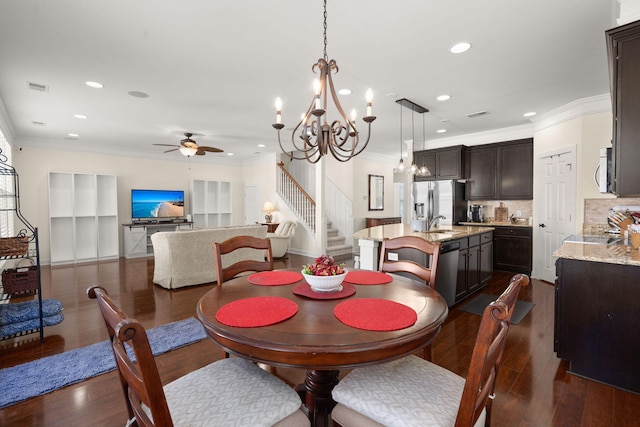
(448, 271)
(447, 267)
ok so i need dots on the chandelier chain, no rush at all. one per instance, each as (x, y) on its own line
(326, 58)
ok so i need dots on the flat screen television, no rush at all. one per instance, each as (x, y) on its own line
(159, 204)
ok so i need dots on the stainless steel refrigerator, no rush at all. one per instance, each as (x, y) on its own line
(435, 198)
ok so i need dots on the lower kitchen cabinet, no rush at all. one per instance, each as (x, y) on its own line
(475, 264)
(513, 249)
(597, 313)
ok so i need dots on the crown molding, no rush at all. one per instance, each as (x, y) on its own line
(579, 108)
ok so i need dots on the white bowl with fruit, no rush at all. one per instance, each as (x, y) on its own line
(324, 275)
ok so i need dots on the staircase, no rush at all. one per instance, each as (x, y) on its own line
(336, 246)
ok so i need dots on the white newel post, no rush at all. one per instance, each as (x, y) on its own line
(368, 254)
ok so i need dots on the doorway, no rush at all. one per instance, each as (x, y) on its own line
(555, 210)
(251, 204)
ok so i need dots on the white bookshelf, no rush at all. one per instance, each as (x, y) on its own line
(211, 203)
(83, 217)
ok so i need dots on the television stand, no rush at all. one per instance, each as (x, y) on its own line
(137, 236)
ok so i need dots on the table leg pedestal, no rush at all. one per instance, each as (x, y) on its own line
(317, 395)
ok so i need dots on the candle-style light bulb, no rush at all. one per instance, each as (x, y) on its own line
(369, 98)
(316, 90)
(278, 110)
(354, 114)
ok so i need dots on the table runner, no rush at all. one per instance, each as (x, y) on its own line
(303, 289)
(364, 277)
(274, 278)
(374, 314)
(256, 311)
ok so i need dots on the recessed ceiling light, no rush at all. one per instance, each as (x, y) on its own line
(261, 145)
(530, 114)
(460, 47)
(73, 135)
(79, 116)
(441, 131)
(94, 85)
(138, 94)
(229, 154)
(444, 97)
(344, 91)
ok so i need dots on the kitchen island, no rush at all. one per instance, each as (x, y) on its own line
(597, 312)
(466, 260)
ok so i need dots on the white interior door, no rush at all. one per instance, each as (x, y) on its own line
(555, 212)
(251, 204)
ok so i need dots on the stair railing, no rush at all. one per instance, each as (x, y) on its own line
(299, 200)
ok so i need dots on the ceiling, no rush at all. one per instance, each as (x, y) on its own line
(214, 68)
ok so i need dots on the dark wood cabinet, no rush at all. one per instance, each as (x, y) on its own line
(475, 264)
(501, 171)
(372, 222)
(512, 249)
(482, 166)
(623, 46)
(444, 163)
(597, 313)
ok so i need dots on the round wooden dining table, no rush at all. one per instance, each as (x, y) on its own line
(314, 339)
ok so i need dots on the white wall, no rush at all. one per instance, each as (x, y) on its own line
(33, 166)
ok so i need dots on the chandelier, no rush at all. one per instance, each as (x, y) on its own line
(316, 135)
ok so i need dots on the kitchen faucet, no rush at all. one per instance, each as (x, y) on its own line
(434, 220)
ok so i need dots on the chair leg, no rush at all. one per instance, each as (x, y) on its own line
(427, 354)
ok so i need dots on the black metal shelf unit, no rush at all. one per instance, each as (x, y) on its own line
(23, 246)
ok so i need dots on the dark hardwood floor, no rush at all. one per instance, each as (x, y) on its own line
(534, 388)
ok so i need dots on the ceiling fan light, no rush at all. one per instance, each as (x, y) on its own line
(188, 151)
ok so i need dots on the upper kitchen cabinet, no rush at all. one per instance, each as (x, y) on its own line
(502, 171)
(623, 47)
(443, 163)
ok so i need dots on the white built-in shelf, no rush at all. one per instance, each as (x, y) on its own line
(211, 203)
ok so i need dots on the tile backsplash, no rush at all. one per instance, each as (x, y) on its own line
(524, 206)
(596, 211)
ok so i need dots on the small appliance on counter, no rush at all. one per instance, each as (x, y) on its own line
(476, 213)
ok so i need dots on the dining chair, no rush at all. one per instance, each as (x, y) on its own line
(415, 392)
(424, 273)
(226, 392)
(241, 244)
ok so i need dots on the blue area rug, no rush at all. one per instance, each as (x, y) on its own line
(478, 304)
(51, 373)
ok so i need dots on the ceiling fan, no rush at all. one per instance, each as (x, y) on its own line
(188, 147)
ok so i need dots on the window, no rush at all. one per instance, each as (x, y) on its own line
(7, 204)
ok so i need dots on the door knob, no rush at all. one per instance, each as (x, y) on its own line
(541, 225)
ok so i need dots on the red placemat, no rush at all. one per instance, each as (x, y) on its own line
(274, 278)
(364, 277)
(374, 314)
(303, 289)
(256, 311)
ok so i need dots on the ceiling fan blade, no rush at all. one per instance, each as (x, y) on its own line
(173, 149)
(209, 149)
(166, 145)
(200, 153)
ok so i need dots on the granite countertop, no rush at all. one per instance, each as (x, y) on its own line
(498, 224)
(441, 234)
(611, 254)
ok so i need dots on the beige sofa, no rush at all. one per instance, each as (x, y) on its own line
(185, 258)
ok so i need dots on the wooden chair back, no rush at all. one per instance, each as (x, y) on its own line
(487, 355)
(140, 378)
(428, 274)
(239, 242)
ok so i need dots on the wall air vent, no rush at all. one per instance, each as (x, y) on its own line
(37, 86)
(36, 123)
(477, 114)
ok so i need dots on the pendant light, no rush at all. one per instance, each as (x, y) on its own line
(413, 169)
(424, 170)
(400, 168)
